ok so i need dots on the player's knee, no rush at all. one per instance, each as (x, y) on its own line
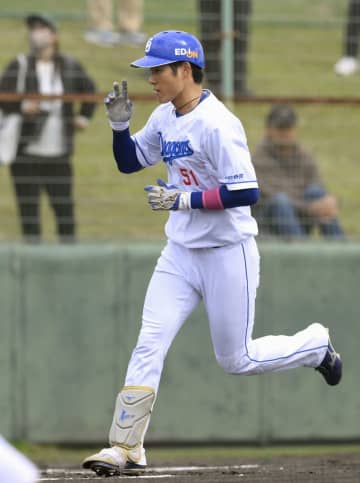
(234, 364)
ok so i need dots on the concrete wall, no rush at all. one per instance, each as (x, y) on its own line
(70, 316)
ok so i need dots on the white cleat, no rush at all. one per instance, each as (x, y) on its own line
(115, 461)
(108, 462)
(346, 66)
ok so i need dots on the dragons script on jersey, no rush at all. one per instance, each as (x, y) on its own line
(203, 149)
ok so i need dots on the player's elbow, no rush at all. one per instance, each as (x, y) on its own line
(254, 195)
(127, 164)
(124, 151)
(127, 169)
(235, 198)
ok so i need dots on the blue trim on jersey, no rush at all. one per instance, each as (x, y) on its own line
(230, 199)
(125, 152)
(247, 324)
(242, 182)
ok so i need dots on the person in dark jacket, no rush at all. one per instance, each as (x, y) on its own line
(293, 199)
(43, 161)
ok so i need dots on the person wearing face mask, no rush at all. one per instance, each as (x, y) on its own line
(43, 162)
(293, 198)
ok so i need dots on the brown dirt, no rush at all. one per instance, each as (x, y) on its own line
(305, 469)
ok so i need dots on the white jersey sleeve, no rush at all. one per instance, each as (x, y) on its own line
(227, 147)
(147, 141)
(202, 150)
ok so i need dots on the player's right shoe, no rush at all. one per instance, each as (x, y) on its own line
(331, 366)
(115, 461)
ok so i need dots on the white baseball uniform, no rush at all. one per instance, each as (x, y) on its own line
(211, 255)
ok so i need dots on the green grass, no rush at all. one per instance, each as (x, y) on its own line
(58, 455)
(293, 46)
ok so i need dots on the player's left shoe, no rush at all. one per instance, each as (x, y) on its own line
(114, 461)
(331, 366)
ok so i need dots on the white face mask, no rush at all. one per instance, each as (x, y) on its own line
(41, 38)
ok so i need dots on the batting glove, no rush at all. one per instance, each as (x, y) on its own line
(167, 197)
(118, 107)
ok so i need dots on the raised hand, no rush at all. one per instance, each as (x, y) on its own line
(118, 106)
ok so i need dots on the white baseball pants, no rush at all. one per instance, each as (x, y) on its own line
(226, 279)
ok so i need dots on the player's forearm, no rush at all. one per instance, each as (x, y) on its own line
(169, 197)
(125, 152)
(221, 198)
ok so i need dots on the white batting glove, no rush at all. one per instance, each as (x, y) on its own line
(118, 107)
(167, 197)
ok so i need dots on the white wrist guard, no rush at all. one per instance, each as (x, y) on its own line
(119, 125)
(131, 416)
(184, 201)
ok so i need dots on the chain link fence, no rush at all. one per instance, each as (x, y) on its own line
(282, 52)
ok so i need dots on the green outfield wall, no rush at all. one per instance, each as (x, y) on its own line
(70, 315)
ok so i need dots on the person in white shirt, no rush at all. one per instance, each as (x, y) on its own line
(43, 162)
(211, 253)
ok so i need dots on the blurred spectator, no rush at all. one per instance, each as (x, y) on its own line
(43, 162)
(130, 17)
(211, 36)
(14, 466)
(293, 199)
(349, 64)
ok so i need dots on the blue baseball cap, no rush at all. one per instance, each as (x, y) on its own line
(171, 46)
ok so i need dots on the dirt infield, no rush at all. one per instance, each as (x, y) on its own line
(299, 469)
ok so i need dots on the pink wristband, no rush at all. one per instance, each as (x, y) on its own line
(211, 200)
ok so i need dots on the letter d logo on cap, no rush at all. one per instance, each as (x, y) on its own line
(148, 45)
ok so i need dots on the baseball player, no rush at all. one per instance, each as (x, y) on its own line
(211, 253)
